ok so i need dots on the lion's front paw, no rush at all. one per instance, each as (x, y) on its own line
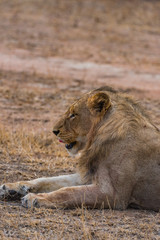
(13, 191)
(32, 200)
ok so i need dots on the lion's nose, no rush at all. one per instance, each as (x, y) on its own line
(56, 132)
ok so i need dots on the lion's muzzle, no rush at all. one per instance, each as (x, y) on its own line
(56, 132)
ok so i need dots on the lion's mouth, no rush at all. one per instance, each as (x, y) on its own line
(70, 146)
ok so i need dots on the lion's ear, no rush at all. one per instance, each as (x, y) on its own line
(99, 103)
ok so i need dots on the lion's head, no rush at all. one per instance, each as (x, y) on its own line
(75, 125)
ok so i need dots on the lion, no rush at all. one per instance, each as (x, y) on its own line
(117, 149)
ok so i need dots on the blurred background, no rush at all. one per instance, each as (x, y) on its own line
(105, 31)
(67, 47)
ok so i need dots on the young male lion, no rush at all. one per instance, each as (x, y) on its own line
(118, 160)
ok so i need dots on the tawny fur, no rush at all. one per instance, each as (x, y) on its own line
(119, 160)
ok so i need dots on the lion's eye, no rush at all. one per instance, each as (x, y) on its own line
(72, 115)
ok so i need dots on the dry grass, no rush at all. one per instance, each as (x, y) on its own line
(121, 32)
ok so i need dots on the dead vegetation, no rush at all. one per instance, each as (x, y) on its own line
(117, 32)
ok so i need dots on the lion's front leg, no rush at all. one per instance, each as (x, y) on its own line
(32, 200)
(69, 197)
(14, 191)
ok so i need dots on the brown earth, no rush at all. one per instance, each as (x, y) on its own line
(51, 53)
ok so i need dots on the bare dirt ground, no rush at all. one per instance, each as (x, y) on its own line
(50, 53)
